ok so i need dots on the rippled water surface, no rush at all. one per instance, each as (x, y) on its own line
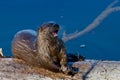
(103, 42)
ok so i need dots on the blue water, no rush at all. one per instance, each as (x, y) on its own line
(101, 43)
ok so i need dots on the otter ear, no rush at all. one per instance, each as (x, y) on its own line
(40, 28)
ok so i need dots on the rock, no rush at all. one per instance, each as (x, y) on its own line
(15, 69)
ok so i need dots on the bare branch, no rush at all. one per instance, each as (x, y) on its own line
(95, 22)
(112, 4)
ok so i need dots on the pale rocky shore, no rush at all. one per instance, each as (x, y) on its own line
(15, 69)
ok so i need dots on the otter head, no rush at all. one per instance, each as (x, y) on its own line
(49, 30)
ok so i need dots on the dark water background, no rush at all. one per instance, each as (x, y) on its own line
(101, 43)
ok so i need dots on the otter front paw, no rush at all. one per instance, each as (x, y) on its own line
(72, 71)
(69, 70)
(64, 69)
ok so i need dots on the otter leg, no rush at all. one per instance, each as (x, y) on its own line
(63, 60)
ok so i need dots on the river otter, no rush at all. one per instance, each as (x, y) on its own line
(42, 49)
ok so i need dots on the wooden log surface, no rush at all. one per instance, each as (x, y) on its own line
(15, 69)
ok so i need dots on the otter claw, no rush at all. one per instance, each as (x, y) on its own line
(63, 68)
(69, 70)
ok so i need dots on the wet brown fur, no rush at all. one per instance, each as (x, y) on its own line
(43, 50)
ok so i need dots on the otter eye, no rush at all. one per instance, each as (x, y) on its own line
(55, 25)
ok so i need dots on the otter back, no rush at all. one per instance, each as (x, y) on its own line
(23, 45)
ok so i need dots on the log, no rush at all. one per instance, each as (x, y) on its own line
(16, 69)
